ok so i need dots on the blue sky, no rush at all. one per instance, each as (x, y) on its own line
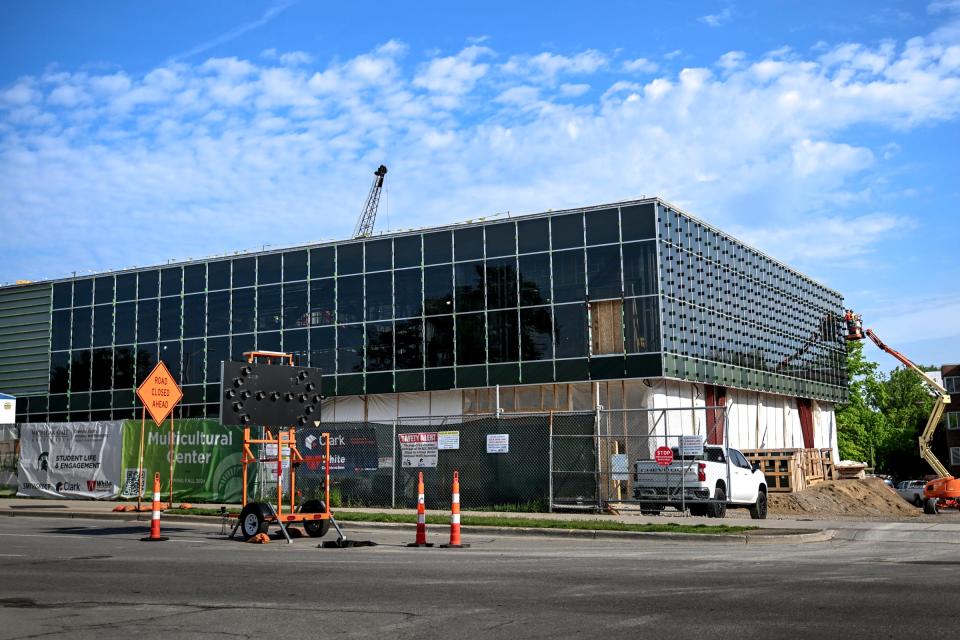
(824, 133)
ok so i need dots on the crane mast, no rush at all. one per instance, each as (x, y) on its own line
(364, 228)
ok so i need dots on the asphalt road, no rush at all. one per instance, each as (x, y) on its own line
(95, 579)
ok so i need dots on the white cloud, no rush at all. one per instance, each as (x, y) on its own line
(573, 90)
(20, 94)
(453, 75)
(822, 238)
(520, 96)
(294, 58)
(67, 96)
(547, 66)
(731, 60)
(717, 19)
(230, 67)
(640, 65)
(944, 6)
(756, 144)
(811, 157)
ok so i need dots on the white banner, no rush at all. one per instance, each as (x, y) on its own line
(70, 460)
(9, 438)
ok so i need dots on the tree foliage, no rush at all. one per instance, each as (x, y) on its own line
(883, 417)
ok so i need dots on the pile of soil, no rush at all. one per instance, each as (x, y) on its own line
(867, 497)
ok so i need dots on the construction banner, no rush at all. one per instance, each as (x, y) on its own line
(69, 460)
(206, 457)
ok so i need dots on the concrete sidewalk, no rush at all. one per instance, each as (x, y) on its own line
(942, 529)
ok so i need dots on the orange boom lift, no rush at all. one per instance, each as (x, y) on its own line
(944, 490)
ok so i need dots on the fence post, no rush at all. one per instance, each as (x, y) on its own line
(393, 467)
(550, 457)
(599, 454)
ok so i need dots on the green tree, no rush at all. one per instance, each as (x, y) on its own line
(858, 423)
(883, 417)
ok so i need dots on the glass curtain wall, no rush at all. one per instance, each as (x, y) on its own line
(509, 302)
(632, 290)
(732, 316)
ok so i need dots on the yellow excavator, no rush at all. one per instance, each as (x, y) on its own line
(945, 489)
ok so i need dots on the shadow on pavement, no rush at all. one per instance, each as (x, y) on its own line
(111, 531)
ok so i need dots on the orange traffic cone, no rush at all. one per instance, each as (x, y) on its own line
(421, 517)
(455, 542)
(155, 518)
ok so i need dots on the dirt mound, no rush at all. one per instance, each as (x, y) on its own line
(867, 497)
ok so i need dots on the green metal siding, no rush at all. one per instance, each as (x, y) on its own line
(25, 339)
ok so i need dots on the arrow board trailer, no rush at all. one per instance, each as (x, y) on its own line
(315, 515)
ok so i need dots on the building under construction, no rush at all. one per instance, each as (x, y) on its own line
(627, 305)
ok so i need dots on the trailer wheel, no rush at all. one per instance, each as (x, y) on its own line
(315, 528)
(253, 520)
(718, 508)
(930, 506)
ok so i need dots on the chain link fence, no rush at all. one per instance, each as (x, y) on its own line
(524, 462)
(504, 461)
(509, 461)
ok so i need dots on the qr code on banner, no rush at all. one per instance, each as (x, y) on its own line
(131, 486)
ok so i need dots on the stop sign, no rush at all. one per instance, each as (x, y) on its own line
(663, 456)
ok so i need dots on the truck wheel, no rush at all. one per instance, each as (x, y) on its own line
(315, 528)
(758, 510)
(718, 508)
(917, 501)
(930, 506)
(698, 510)
(253, 520)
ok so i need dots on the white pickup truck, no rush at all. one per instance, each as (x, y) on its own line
(706, 484)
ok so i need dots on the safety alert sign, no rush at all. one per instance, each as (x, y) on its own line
(418, 449)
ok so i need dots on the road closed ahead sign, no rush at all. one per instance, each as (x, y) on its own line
(159, 393)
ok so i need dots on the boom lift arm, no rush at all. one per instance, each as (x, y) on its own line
(941, 397)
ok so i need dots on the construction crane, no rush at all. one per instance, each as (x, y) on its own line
(945, 489)
(367, 219)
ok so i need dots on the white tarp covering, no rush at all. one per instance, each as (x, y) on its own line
(445, 406)
(70, 460)
(755, 420)
(9, 437)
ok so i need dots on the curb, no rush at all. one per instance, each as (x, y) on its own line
(789, 535)
(769, 536)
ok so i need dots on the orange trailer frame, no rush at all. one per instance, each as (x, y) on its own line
(288, 438)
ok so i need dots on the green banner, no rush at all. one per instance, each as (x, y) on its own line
(206, 457)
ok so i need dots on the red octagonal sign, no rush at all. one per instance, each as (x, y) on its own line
(663, 456)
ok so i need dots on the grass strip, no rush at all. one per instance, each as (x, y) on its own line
(534, 523)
